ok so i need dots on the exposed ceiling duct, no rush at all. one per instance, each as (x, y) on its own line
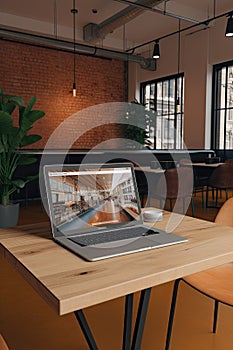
(94, 32)
(37, 40)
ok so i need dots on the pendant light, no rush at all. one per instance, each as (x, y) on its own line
(74, 11)
(156, 52)
(229, 28)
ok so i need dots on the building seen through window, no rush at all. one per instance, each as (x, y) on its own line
(222, 121)
(166, 97)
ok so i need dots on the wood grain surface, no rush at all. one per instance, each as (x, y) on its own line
(69, 283)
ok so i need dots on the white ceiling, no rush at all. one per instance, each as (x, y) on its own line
(41, 16)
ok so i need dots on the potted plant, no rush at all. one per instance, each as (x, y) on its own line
(137, 121)
(15, 122)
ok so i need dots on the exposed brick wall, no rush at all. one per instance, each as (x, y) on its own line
(48, 74)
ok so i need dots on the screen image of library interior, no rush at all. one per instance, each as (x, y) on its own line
(93, 197)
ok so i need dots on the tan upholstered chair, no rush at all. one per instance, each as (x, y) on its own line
(216, 283)
(3, 344)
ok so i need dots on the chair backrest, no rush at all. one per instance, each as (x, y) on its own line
(176, 183)
(225, 214)
(222, 176)
(3, 345)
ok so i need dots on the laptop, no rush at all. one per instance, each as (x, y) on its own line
(95, 211)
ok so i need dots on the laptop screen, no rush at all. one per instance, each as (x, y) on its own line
(86, 199)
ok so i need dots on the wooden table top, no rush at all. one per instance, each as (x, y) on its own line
(69, 283)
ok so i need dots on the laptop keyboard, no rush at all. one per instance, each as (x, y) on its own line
(111, 236)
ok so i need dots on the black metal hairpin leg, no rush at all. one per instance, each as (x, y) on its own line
(86, 330)
(215, 316)
(172, 313)
(139, 325)
(141, 318)
(128, 322)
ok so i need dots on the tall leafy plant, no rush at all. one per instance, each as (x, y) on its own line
(13, 137)
(137, 122)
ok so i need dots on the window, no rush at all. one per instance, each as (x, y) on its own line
(222, 121)
(166, 97)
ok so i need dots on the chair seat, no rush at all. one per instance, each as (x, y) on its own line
(217, 283)
(3, 345)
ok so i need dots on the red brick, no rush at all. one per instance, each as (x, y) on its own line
(48, 74)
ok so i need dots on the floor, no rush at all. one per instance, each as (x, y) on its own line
(28, 323)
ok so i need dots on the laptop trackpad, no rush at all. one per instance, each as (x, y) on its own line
(115, 244)
(166, 238)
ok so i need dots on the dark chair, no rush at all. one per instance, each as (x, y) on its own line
(216, 283)
(199, 181)
(175, 185)
(220, 179)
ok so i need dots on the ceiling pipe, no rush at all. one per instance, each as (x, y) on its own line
(94, 32)
(161, 12)
(37, 40)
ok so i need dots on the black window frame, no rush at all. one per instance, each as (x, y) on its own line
(216, 95)
(155, 82)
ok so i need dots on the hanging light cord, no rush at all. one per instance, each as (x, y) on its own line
(74, 11)
(55, 18)
(214, 8)
(178, 68)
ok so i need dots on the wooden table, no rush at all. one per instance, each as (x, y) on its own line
(69, 284)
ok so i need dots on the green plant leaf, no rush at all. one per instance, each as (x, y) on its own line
(4, 139)
(17, 100)
(18, 183)
(29, 139)
(15, 137)
(5, 122)
(1, 147)
(32, 178)
(35, 115)
(24, 122)
(30, 105)
(21, 111)
(12, 138)
(10, 107)
(26, 159)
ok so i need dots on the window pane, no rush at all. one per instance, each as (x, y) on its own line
(222, 127)
(161, 95)
(222, 83)
(229, 130)
(159, 99)
(172, 96)
(165, 98)
(147, 95)
(230, 87)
